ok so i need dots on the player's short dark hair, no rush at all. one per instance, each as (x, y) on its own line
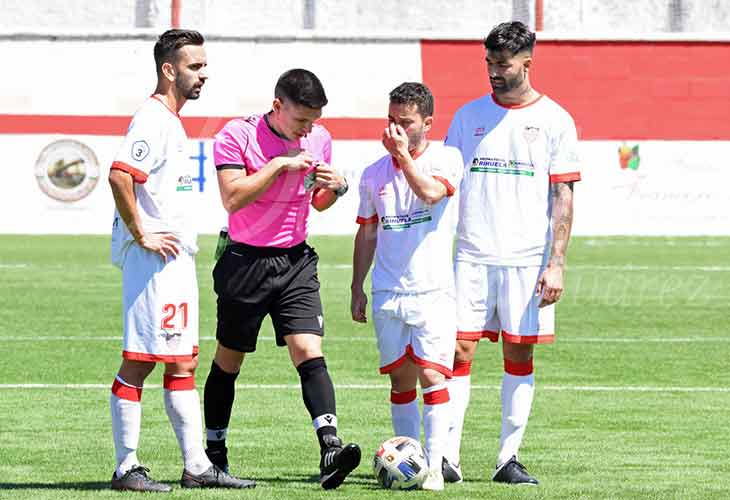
(514, 37)
(413, 93)
(170, 42)
(301, 87)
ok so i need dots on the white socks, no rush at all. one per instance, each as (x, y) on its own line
(182, 404)
(435, 423)
(459, 393)
(405, 415)
(126, 411)
(518, 387)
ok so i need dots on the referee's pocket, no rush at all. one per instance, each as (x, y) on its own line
(236, 274)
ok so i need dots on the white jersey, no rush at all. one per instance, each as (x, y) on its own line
(413, 252)
(153, 152)
(511, 155)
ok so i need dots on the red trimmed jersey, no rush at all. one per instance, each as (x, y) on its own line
(415, 239)
(154, 153)
(511, 155)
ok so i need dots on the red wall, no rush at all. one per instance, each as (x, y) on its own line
(614, 90)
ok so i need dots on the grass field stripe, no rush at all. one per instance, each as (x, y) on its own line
(372, 387)
(577, 267)
(581, 340)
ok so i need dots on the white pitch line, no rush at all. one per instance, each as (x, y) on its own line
(378, 387)
(578, 340)
(632, 267)
(607, 267)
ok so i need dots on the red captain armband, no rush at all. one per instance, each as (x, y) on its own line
(322, 198)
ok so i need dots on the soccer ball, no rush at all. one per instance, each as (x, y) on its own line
(400, 464)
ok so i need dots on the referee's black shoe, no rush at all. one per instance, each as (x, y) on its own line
(337, 462)
(513, 472)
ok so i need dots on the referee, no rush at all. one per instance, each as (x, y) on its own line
(271, 169)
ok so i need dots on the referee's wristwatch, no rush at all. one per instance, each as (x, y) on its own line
(342, 189)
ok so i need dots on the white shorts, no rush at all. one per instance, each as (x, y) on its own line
(419, 326)
(159, 306)
(494, 300)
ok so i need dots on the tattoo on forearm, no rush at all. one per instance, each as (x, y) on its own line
(562, 220)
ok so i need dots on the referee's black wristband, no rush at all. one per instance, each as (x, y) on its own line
(342, 190)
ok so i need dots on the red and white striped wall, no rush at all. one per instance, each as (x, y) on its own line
(668, 100)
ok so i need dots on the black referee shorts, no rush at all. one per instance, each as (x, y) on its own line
(252, 282)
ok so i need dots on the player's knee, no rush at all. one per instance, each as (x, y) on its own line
(465, 350)
(228, 360)
(430, 377)
(135, 372)
(304, 347)
(405, 377)
(181, 368)
(519, 353)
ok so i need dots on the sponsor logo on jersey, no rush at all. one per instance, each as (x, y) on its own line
(390, 222)
(478, 131)
(502, 166)
(140, 150)
(67, 170)
(184, 183)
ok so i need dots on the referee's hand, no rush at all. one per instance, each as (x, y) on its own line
(358, 306)
(163, 244)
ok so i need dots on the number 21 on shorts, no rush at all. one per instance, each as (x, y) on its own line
(175, 317)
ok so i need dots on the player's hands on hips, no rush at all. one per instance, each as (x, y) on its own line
(395, 140)
(296, 160)
(164, 244)
(327, 177)
(358, 305)
(550, 284)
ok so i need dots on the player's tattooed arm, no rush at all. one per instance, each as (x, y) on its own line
(562, 220)
(550, 284)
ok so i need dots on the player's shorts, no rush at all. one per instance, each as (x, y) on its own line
(252, 282)
(494, 300)
(419, 326)
(160, 306)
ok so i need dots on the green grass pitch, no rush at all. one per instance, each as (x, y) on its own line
(632, 401)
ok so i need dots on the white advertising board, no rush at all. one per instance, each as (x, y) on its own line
(57, 185)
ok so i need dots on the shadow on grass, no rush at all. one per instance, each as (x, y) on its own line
(364, 481)
(89, 485)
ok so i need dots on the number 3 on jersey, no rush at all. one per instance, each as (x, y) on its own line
(175, 318)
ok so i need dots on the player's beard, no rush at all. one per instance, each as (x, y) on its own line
(188, 90)
(508, 84)
(415, 139)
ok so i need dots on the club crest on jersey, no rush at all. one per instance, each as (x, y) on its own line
(385, 191)
(478, 131)
(184, 183)
(530, 134)
(140, 150)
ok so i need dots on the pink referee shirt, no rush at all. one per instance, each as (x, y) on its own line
(279, 217)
